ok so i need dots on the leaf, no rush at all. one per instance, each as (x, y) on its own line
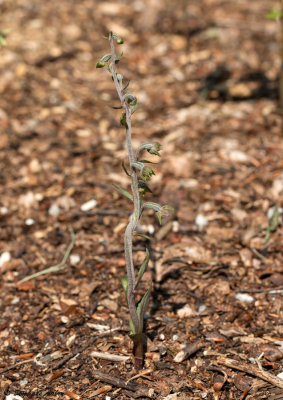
(148, 162)
(123, 191)
(116, 108)
(159, 217)
(152, 148)
(274, 220)
(125, 284)
(134, 109)
(145, 146)
(267, 237)
(273, 224)
(142, 268)
(138, 164)
(142, 235)
(142, 306)
(123, 120)
(132, 326)
(124, 168)
(105, 58)
(125, 87)
(154, 206)
(118, 58)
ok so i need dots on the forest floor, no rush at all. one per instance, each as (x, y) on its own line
(206, 76)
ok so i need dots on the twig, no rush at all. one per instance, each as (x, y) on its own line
(143, 373)
(259, 255)
(54, 268)
(277, 290)
(138, 390)
(252, 370)
(6, 369)
(109, 356)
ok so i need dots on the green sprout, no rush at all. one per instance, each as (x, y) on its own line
(139, 174)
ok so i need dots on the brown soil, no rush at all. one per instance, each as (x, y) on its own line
(205, 73)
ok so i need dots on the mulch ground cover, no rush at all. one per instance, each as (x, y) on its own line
(206, 76)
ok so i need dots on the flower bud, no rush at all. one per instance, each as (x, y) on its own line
(100, 64)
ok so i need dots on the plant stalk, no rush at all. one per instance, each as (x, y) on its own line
(128, 237)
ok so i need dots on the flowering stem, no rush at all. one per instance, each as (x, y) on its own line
(128, 237)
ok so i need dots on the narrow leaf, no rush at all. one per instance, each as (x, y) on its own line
(118, 58)
(124, 168)
(134, 109)
(116, 108)
(123, 120)
(125, 284)
(143, 268)
(274, 220)
(148, 162)
(159, 217)
(142, 306)
(123, 191)
(138, 164)
(105, 58)
(145, 146)
(142, 235)
(267, 237)
(154, 206)
(132, 326)
(125, 87)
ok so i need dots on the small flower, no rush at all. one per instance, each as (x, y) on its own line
(156, 147)
(146, 173)
(143, 188)
(163, 212)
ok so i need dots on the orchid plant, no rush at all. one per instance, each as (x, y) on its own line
(139, 173)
